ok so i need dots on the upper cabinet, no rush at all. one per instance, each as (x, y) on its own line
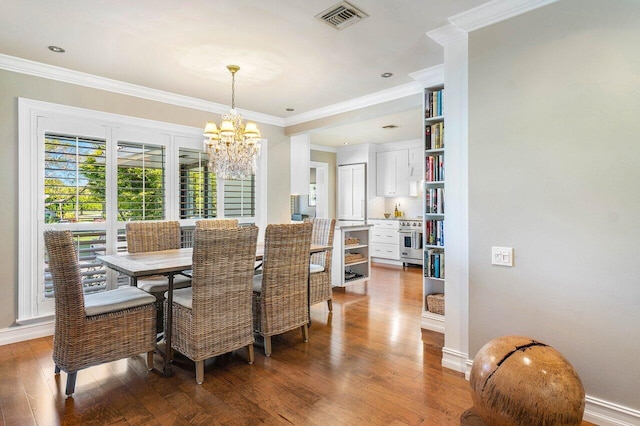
(352, 189)
(392, 177)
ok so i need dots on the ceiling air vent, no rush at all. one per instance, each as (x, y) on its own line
(341, 15)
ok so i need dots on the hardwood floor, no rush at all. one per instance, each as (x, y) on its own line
(364, 364)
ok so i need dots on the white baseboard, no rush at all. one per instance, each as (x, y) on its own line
(597, 411)
(386, 261)
(605, 413)
(454, 360)
(22, 333)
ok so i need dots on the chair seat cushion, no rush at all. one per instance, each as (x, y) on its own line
(314, 268)
(116, 300)
(160, 283)
(257, 283)
(182, 296)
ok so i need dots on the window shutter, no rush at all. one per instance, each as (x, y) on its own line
(141, 176)
(198, 194)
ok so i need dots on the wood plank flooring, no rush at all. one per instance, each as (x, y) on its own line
(364, 364)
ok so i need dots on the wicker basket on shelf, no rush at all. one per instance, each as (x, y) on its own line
(435, 303)
(351, 241)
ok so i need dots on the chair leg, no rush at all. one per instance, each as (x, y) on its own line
(305, 333)
(150, 360)
(199, 372)
(330, 305)
(267, 345)
(250, 352)
(56, 370)
(71, 383)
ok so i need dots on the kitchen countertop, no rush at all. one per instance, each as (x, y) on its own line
(351, 224)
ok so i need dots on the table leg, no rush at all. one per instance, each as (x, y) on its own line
(167, 370)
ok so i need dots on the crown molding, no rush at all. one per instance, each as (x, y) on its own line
(446, 34)
(37, 69)
(429, 77)
(494, 11)
(357, 103)
(482, 16)
(323, 148)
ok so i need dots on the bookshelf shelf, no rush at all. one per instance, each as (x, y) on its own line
(434, 206)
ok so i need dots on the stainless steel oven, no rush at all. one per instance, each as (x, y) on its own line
(411, 241)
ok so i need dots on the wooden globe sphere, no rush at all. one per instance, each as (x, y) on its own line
(518, 381)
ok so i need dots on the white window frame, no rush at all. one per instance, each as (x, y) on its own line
(35, 118)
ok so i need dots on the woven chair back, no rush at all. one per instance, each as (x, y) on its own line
(322, 234)
(223, 261)
(66, 277)
(216, 223)
(152, 236)
(285, 275)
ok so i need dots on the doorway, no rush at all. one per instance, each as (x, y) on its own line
(319, 188)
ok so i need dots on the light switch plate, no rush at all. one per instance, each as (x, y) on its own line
(502, 256)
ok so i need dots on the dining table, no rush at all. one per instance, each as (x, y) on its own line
(170, 263)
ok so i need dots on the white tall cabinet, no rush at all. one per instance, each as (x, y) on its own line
(352, 190)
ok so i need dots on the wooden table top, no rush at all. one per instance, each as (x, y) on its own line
(165, 261)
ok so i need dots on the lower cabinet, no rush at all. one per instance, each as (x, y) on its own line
(351, 252)
(385, 241)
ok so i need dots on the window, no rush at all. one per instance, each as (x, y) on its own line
(90, 172)
(198, 186)
(141, 179)
(240, 197)
(74, 179)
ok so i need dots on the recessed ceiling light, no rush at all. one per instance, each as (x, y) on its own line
(56, 49)
(390, 126)
(386, 74)
(291, 109)
(346, 143)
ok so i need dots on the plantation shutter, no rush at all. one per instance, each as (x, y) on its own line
(239, 197)
(198, 193)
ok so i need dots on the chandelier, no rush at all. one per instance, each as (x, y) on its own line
(234, 147)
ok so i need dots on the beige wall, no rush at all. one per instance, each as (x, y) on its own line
(554, 172)
(15, 85)
(330, 159)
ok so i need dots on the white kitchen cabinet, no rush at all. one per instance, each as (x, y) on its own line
(352, 192)
(392, 173)
(385, 240)
(350, 254)
(416, 158)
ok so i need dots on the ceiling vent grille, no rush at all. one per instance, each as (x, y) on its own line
(341, 15)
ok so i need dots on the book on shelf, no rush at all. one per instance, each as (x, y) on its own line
(427, 137)
(434, 104)
(434, 232)
(434, 263)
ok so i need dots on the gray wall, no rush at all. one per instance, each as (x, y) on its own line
(554, 172)
(15, 85)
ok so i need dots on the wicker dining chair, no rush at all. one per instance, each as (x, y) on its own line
(320, 268)
(145, 236)
(213, 316)
(95, 328)
(216, 223)
(280, 293)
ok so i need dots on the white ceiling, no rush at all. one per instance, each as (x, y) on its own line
(288, 58)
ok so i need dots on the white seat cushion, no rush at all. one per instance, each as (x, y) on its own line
(116, 300)
(315, 268)
(257, 283)
(160, 283)
(182, 296)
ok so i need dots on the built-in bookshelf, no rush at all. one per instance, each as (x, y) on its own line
(434, 208)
